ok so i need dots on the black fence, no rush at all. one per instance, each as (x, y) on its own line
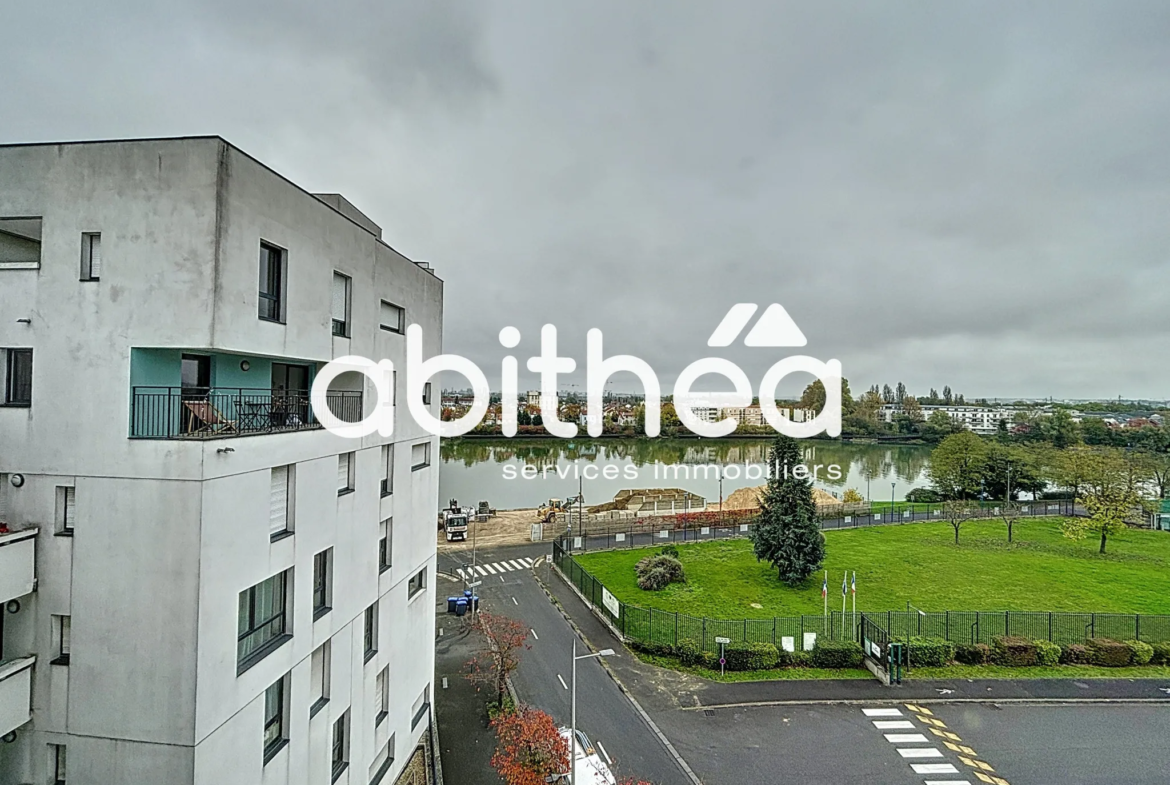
(216, 412)
(651, 626)
(692, 527)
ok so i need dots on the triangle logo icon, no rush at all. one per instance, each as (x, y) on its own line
(775, 328)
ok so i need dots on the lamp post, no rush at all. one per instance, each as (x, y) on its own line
(573, 709)
(892, 511)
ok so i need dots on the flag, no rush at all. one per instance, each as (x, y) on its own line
(845, 584)
(825, 587)
(853, 585)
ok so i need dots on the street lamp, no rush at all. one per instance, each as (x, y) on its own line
(573, 709)
(892, 499)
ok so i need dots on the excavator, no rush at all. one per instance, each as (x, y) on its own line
(548, 511)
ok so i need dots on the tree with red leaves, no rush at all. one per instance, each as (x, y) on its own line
(531, 749)
(505, 638)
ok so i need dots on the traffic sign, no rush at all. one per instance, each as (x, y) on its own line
(723, 640)
(474, 584)
(722, 661)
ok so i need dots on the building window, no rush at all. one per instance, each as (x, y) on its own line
(20, 243)
(382, 761)
(386, 545)
(339, 755)
(339, 307)
(370, 640)
(392, 318)
(420, 456)
(319, 668)
(381, 695)
(91, 256)
(66, 509)
(427, 394)
(421, 706)
(272, 272)
(322, 583)
(417, 583)
(345, 468)
(387, 469)
(263, 620)
(18, 377)
(279, 506)
(57, 762)
(61, 642)
(275, 727)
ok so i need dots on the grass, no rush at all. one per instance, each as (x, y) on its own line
(774, 674)
(918, 562)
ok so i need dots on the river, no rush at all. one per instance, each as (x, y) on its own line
(493, 470)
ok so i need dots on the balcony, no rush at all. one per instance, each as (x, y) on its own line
(15, 693)
(17, 564)
(224, 412)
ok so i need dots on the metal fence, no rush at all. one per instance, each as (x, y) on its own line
(691, 527)
(652, 626)
(214, 412)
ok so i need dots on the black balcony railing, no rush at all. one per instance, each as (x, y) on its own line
(220, 412)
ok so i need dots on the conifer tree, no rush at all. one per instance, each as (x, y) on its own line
(788, 533)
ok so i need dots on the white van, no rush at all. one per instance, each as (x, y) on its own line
(589, 767)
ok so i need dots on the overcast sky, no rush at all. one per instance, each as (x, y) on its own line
(973, 194)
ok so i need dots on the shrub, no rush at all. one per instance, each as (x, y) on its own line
(1161, 653)
(927, 495)
(836, 654)
(1074, 654)
(751, 656)
(658, 571)
(1013, 650)
(930, 652)
(1047, 652)
(710, 660)
(1108, 653)
(689, 652)
(801, 659)
(669, 550)
(1140, 653)
(657, 649)
(973, 653)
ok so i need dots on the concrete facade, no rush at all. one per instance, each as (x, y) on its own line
(167, 532)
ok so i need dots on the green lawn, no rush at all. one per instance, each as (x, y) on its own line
(919, 562)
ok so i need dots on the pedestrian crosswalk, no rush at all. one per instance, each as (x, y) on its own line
(890, 718)
(468, 572)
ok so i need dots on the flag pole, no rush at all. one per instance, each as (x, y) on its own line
(825, 593)
(844, 581)
(853, 591)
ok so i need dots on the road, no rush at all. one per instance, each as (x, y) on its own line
(821, 743)
(603, 711)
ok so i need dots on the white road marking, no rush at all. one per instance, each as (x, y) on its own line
(906, 738)
(440, 632)
(608, 759)
(948, 782)
(502, 579)
(528, 562)
(934, 768)
(882, 712)
(516, 603)
(482, 572)
(534, 635)
(444, 682)
(893, 724)
(517, 564)
(930, 752)
(489, 568)
(562, 681)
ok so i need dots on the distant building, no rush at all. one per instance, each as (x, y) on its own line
(533, 398)
(980, 419)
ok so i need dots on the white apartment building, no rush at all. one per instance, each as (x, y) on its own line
(980, 419)
(249, 597)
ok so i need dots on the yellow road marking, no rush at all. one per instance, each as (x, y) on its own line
(994, 780)
(931, 721)
(919, 709)
(945, 734)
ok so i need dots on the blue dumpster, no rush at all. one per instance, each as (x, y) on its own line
(461, 606)
(467, 592)
(475, 603)
(451, 604)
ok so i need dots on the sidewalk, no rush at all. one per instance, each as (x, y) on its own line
(664, 689)
(467, 743)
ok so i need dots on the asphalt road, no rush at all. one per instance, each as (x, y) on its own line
(603, 711)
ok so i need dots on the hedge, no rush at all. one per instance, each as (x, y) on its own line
(751, 656)
(1108, 653)
(1074, 654)
(1047, 652)
(930, 652)
(1140, 653)
(1161, 655)
(1013, 650)
(973, 653)
(836, 654)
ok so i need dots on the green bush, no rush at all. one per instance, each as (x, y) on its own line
(1161, 654)
(689, 652)
(801, 659)
(710, 660)
(1108, 653)
(1013, 650)
(928, 652)
(1140, 653)
(669, 550)
(973, 653)
(836, 654)
(928, 495)
(1074, 654)
(751, 656)
(657, 649)
(1047, 652)
(659, 571)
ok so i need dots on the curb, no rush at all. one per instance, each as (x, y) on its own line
(925, 702)
(674, 754)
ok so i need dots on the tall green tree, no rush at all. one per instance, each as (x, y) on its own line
(788, 534)
(957, 466)
(1108, 493)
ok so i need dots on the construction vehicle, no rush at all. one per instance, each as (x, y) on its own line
(455, 521)
(549, 511)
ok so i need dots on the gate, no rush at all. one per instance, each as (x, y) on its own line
(882, 657)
